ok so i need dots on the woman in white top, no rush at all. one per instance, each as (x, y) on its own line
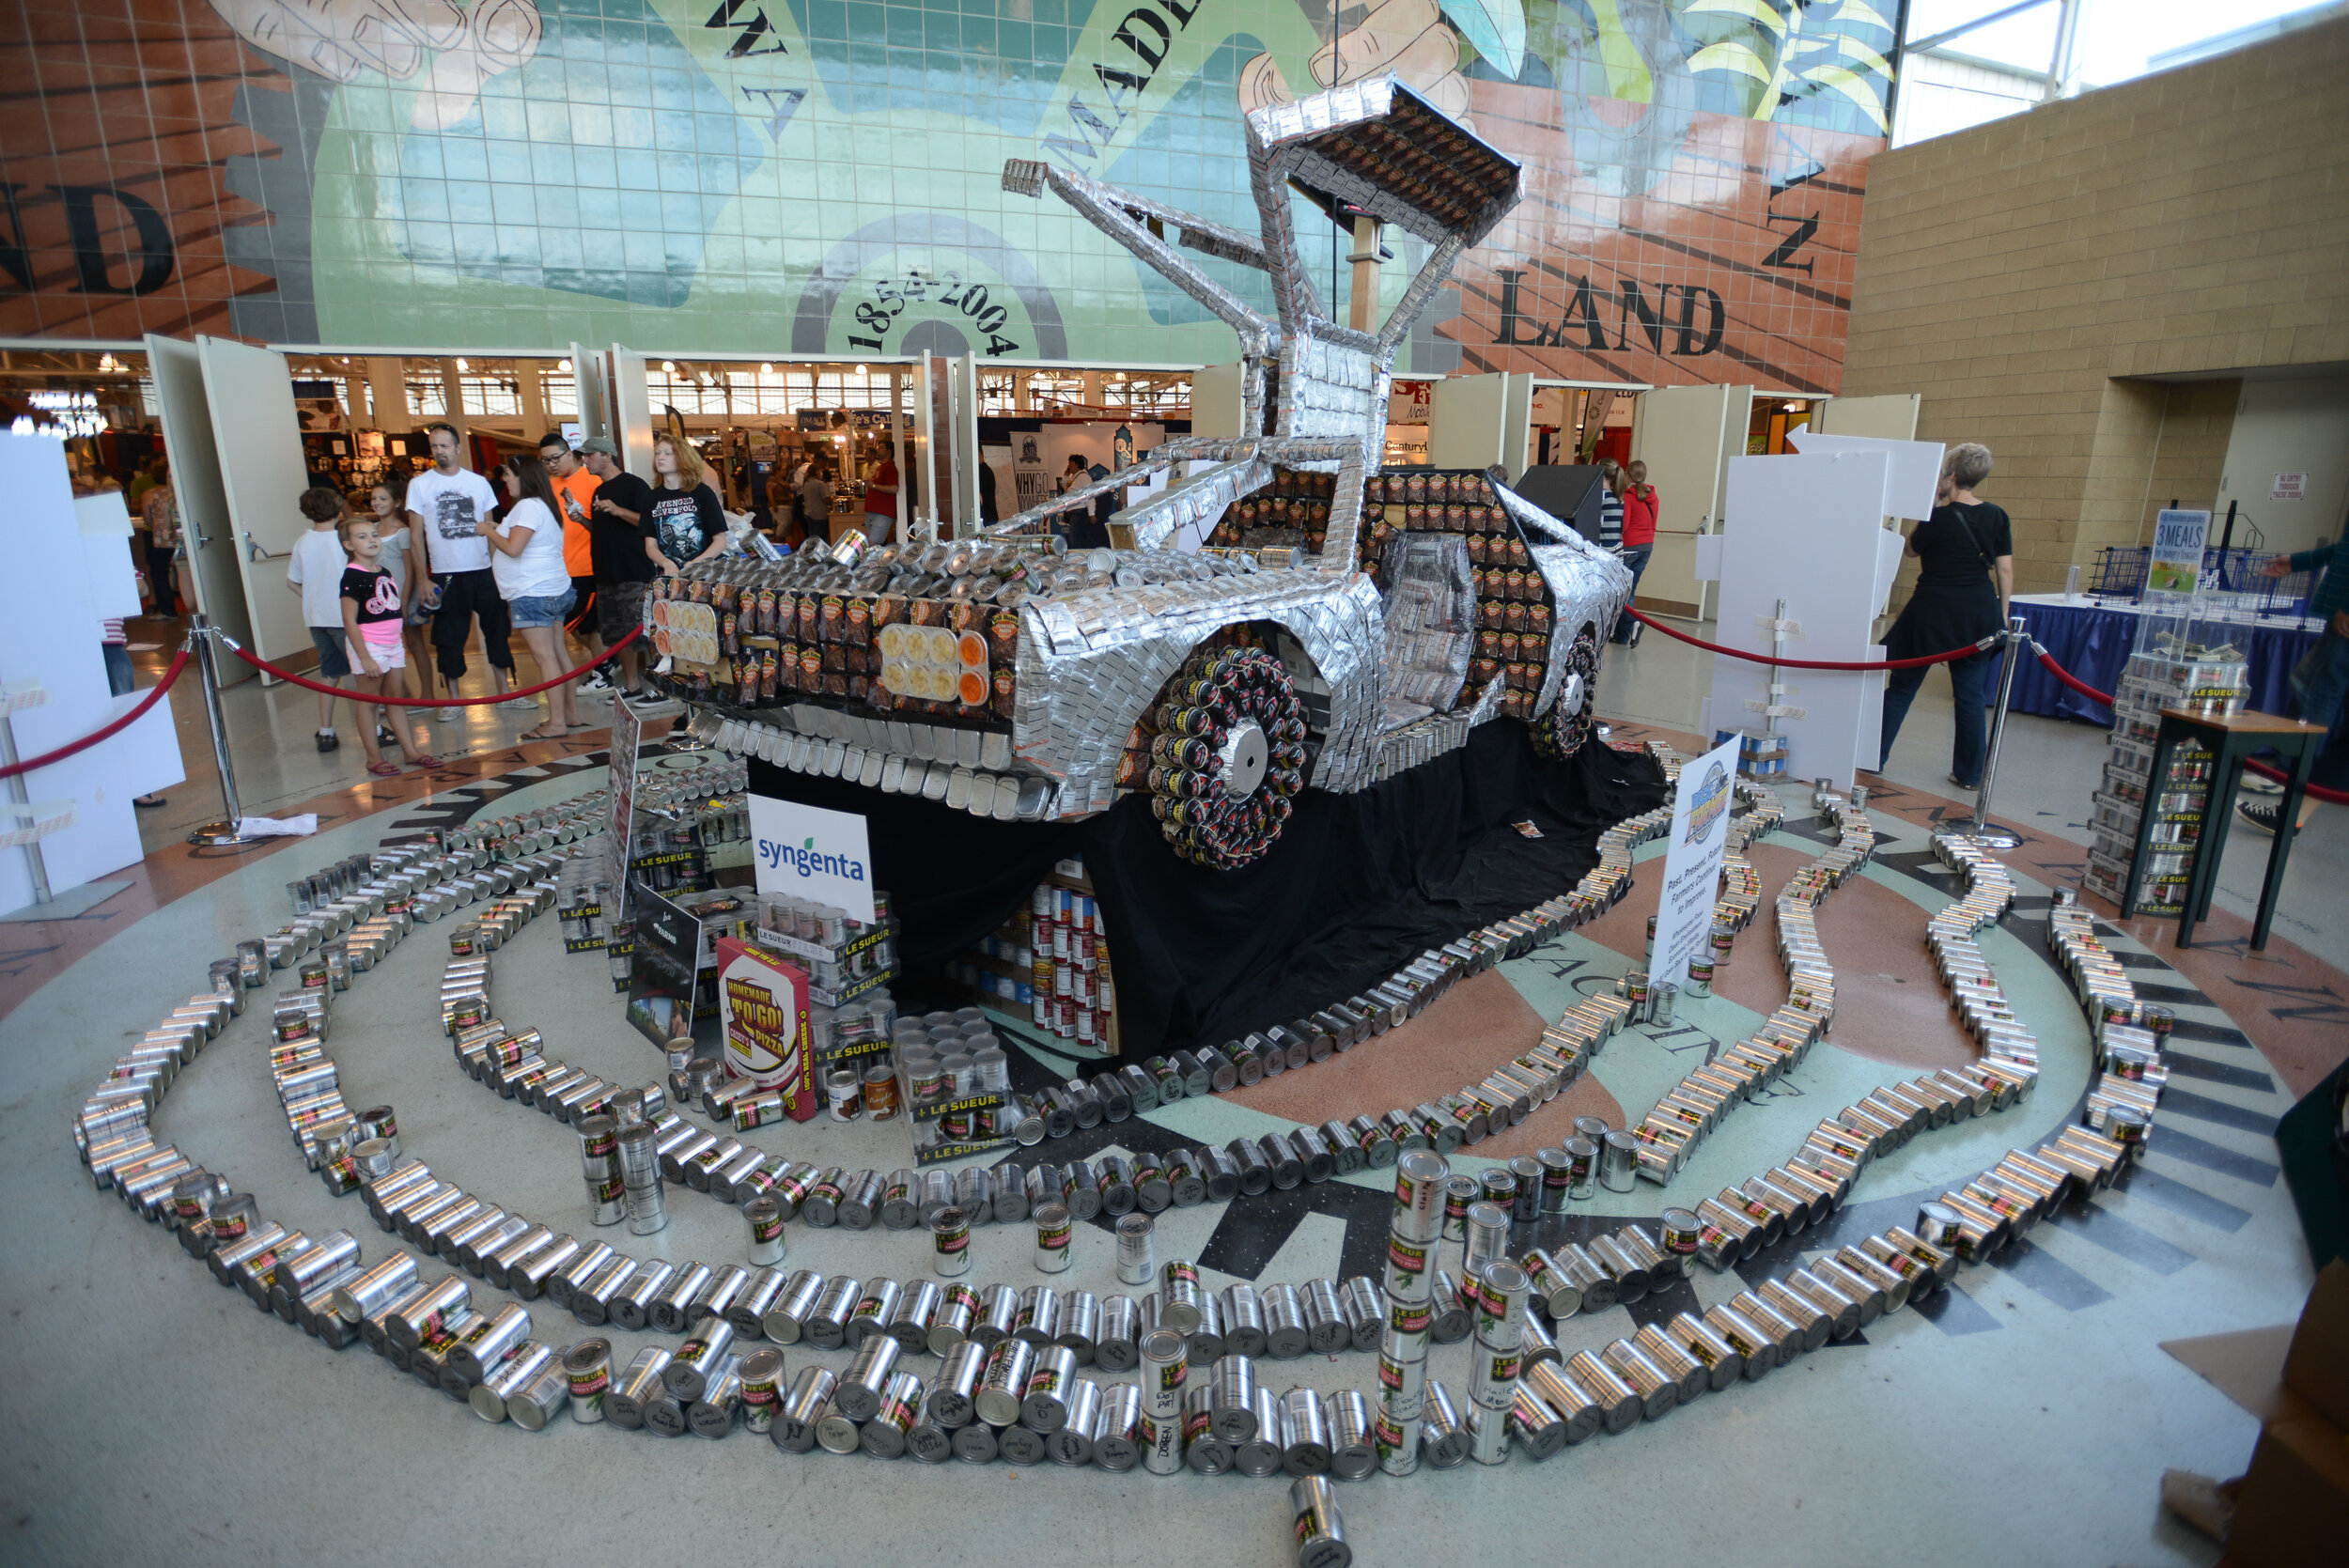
(526, 559)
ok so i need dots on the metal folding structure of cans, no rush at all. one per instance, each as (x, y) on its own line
(1007, 677)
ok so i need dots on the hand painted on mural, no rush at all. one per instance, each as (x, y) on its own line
(1411, 39)
(344, 38)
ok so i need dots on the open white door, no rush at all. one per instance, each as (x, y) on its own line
(632, 411)
(263, 474)
(926, 437)
(1516, 426)
(1216, 406)
(1477, 421)
(1684, 434)
(962, 443)
(588, 380)
(1891, 417)
(211, 546)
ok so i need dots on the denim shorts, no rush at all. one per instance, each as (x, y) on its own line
(549, 611)
(334, 659)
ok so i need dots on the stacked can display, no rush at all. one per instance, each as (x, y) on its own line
(1414, 1236)
(1069, 989)
(638, 1151)
(2214, 683)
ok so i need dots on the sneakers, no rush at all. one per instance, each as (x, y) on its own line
(1962, 784)
(383, 736)
(2263, 814)
(2259, 785)
(530, 703)
(328, 740)
(445, 716)
(596, 685)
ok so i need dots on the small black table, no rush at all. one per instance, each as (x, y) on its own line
(2231, 739)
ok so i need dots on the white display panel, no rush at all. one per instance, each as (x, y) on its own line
(1809, 530)
(1913, 471)
(61, 583)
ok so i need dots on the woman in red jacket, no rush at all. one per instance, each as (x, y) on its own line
(1638, 538)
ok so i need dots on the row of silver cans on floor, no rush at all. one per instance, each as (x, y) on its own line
(2102, 986)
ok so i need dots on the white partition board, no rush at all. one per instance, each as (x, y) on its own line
(1913, 471)
(1809, 530)
(62, 581)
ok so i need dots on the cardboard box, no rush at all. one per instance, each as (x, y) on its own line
(763, 1009)
(2317, 1366)
(2295, 1380)
(2296, 1497)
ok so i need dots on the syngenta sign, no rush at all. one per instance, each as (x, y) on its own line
(805, 852)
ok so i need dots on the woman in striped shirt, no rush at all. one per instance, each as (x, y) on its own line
(1610, 504)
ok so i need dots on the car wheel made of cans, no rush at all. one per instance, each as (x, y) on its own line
(1229, 757)
(1561, 731)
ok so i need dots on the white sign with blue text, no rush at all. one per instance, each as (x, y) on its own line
(1693, 864)
(807, 853)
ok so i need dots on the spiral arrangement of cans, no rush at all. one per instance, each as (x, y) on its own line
(1228, 756)
(1007, 1384)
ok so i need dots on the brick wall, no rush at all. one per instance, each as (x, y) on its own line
(2026, 275)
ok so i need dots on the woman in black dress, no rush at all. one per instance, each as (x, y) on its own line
(1966, 545)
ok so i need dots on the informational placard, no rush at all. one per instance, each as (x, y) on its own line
(2177, 567)
(663, 994)
(2289, 487)
(807, 853)
(627, 735)
(1693, 863)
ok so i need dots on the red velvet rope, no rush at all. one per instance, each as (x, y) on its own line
(154, 695)
(362, 697)
(1805, 663)
(2264, 769)
(2068, 679)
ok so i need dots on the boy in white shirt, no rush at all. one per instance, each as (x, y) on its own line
(315, 573)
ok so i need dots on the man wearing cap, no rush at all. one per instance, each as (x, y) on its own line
(617, 542)
(575, 494)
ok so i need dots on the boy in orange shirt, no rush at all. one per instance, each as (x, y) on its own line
(575, 496)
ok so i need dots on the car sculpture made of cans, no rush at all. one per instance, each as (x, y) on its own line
(1275, 612)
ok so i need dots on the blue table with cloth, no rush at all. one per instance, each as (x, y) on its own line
(2092, 641)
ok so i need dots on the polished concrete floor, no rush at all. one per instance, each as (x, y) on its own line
(2022, 1418)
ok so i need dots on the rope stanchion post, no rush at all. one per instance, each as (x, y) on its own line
(229, 831)
(1998, 838)
(36, 867)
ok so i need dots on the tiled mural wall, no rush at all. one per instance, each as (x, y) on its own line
(766, 176)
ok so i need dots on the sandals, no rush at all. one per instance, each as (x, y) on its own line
(539, 734)
(576, 729)
(384, 769)
(424, 762)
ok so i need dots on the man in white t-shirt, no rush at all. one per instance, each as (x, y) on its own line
(445, 506)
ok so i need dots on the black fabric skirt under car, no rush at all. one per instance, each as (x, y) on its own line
(1356, 886)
